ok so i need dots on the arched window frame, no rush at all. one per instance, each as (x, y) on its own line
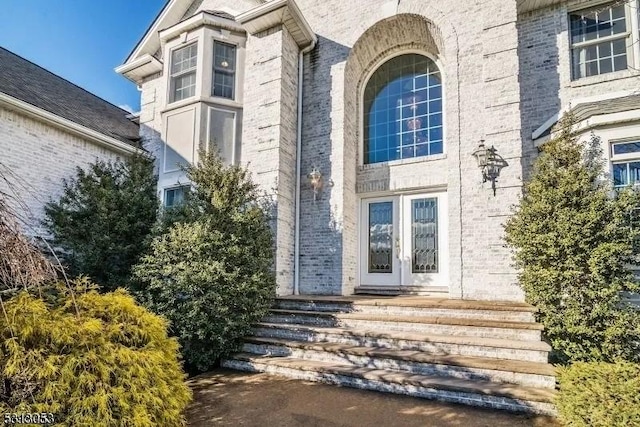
(361, 112)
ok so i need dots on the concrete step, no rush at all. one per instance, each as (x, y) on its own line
(531, 374)
(531, 351)
(525, 331)
(412, 306)
(477, 393)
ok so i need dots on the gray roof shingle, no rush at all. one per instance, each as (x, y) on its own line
(28, 82)
(221, 14)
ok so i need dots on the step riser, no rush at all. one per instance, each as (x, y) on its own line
(397, 344)
(437, 329)
(505, 316)
(472, 399)
(531, 380)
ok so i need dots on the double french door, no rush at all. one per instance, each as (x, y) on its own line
(404, 241)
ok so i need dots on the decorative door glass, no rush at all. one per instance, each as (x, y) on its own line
(424, 235)
(381, 237)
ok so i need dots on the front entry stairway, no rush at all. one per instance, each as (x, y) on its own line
(477, 353)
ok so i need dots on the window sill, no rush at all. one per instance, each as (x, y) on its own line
(402, 162)
(208, 99)
(221, 101)
(603, 78)
(179, 104)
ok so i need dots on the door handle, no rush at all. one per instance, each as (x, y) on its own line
(398, 247)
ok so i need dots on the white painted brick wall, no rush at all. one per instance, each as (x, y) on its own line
(39, 156)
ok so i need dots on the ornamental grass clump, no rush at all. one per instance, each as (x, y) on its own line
(209, 270)
(573, 243)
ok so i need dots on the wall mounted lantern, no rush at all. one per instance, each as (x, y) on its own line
(315, 180)
(490, 163)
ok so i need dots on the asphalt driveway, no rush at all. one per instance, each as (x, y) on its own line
(229, 398)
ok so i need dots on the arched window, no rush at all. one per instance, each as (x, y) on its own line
(403, 110)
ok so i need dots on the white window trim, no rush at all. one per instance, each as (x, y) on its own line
(213, 68)
(632, 35)
(234, 151)
(172, 76)
(623, 158)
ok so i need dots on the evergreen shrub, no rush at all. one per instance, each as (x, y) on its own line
(89, 359)
(209, 269)
(102, 221)
(599, 394)
(573, 244)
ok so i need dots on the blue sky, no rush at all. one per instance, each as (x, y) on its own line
(80, 40)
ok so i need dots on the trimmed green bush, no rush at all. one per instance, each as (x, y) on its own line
(103, 218)
(600, 395)
(91, 359)
(210, 271)
(573, 243)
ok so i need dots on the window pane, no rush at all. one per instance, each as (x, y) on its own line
(619, 47)
(175, 196)
(404, 105)
(620, 63)
(222, 133)
(606, 66)
(634, 173)
(626, 148)
(620, 177)
(223, 84)
(184, 59)
(224, 56)
(184, 86)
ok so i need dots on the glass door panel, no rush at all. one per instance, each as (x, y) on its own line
(379, 240)
(424, 235)
(381, 237)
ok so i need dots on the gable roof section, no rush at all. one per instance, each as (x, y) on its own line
(172, 12)
(32, 84)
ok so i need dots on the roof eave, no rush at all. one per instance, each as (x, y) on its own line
(577, 104)
(279, 12)
(200, 19)
(142, 67)
(68, 125)
(531, 5)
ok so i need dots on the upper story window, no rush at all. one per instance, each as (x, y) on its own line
(224, 70)
(403, 110)
(601, 39)
(183, 72)
(625, 159)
